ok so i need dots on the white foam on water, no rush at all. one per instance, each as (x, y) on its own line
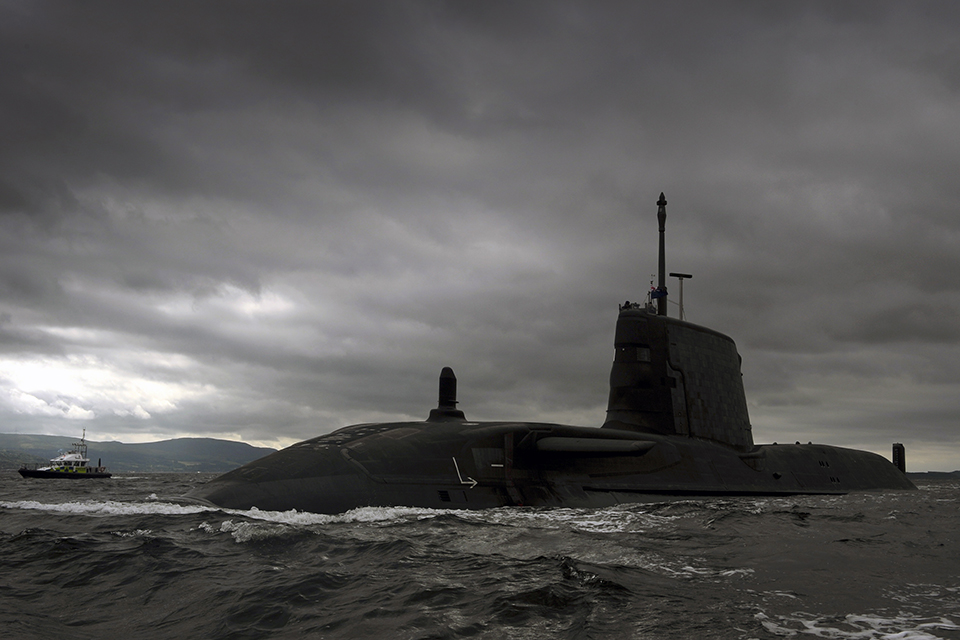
(613, 520)
(246, 531)
(727, 573)
(108, 507)
(371, 515)
(154, 506)
(683, 569)
(136, 533)
(617, 519)
(858, 627)
(278, 523)
(777, 594)
(610, 520)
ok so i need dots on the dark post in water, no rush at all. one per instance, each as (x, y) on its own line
(662, 283)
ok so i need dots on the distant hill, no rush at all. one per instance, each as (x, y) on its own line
(934, 475)
(179, 454)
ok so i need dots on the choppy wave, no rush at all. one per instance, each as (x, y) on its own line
(106, 508)
(293, 517)
(859, 626)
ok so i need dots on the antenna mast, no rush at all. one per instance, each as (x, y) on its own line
(681, 277)
(662, 269)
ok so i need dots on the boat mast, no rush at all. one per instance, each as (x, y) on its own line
(81, 446)
(662, 269)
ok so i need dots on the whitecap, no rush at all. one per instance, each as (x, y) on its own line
(108, 507)
(858, 626)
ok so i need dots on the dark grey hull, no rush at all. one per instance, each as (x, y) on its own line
(463, 465)
(38, 473)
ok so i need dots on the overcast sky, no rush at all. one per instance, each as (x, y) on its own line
(267, 220)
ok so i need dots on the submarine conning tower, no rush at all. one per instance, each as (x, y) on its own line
(672, 377)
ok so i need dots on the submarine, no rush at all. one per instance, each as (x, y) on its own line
(676, 425)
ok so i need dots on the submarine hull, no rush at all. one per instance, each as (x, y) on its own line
(677, 425)
(460, 465)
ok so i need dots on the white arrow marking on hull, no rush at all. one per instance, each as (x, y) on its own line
(470, 481)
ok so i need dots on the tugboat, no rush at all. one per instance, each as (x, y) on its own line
(72, 464)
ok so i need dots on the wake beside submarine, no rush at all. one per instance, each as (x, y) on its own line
(677, 425)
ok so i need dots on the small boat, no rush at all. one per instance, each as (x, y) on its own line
(73, 464)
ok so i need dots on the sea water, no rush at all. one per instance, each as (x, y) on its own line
(121, 558)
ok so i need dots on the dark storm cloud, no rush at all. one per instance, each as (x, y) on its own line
(267, 220)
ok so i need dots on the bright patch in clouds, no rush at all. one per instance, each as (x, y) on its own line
(229, 301)
(83, 387)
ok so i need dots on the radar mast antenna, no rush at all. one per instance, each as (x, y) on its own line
(662, 269)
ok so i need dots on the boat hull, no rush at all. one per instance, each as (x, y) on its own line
(70, 475)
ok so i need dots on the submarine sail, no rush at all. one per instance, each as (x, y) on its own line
(676, 425)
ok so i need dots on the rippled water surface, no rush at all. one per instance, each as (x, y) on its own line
(121, 558)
